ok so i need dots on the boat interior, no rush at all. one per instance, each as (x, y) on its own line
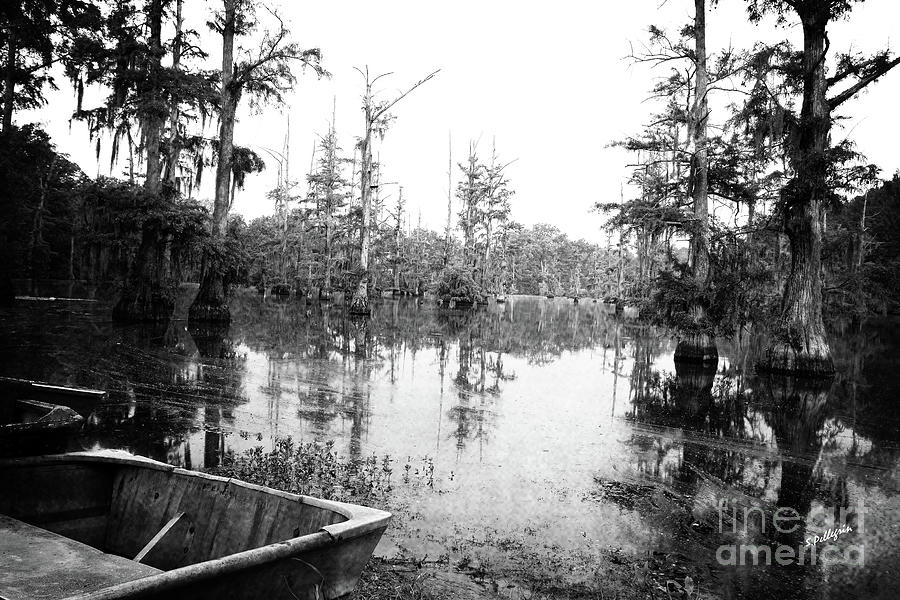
(84, 525)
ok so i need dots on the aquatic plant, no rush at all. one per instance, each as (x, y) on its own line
(424, 473)
(317, 469)
(313, 469)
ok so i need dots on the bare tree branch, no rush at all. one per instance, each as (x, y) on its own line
(862, 83)
(387, 107)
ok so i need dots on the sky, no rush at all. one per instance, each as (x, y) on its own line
(548, 85)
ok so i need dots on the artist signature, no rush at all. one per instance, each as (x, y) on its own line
(829, 535)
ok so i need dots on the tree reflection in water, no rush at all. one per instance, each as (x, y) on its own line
(166, 385)
(717, 455)
(533, 395)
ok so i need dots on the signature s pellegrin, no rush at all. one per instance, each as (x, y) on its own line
(829, 535)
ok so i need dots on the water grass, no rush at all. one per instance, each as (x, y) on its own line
(313, 469)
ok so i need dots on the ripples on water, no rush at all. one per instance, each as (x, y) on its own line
(556, 431)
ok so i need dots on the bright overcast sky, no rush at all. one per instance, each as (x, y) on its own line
(548, 81)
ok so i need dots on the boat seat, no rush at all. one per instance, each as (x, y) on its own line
(167, 548)
(36, 563)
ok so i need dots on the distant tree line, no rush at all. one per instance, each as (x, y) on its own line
(65, 225)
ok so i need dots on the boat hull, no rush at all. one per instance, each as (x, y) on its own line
(33, 427)
(208, 537)
(83, 401)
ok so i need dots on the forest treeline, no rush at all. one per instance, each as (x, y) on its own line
(70, 226)
(739, 208)
(67, 225)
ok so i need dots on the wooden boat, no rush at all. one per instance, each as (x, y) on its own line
(34, 427)
(107, 524)
(83, 401)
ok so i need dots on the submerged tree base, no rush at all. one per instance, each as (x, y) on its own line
(809, 356)
(211, 303)
(698, 348)
(213, 313)
(461, 303)
(282, 289)
(212, 339)
(695, 379)
(144, 305)
(359, 306)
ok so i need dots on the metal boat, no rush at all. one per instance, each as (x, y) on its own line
(81, 400)
(109, 525)
(34, 427)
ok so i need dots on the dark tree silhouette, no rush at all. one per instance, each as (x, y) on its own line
(799, 343)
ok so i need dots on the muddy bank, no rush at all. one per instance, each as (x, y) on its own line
(615, 576)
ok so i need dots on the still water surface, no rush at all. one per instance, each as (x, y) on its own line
(545, 439)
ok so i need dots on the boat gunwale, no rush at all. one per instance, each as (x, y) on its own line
(361, 520)
(210, 569)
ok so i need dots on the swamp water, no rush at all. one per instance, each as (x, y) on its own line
(539, 446)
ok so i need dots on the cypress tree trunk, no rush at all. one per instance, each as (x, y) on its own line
(211, 303)
(397, 261)
(155, 119)
(9, 83)
(798, 343)
(446, 257)
(37, 228)
(7, 292)
(469, 234)
(856, 268)
(148, 294)
(485, 274)
(698, 345)
(359, 305)
(175, 141)
(329, 255)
